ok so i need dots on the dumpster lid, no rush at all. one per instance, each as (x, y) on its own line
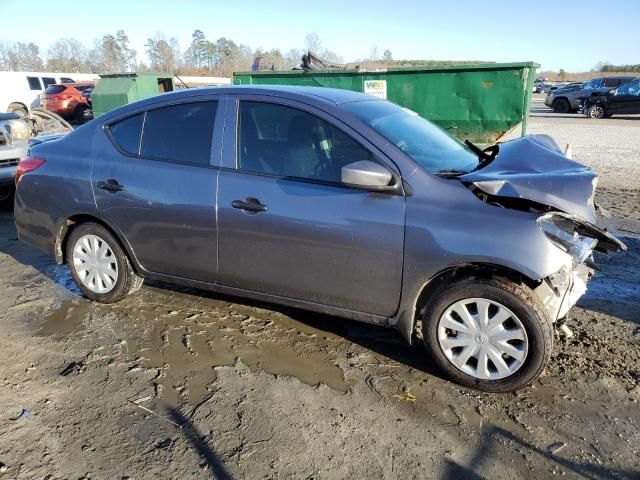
(423, 68)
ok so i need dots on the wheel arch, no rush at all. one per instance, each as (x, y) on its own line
(407, 320)
(70, 223)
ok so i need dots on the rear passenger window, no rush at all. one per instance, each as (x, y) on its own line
(610, 82)
(180, 133)
(48, 81)
(53, 89)
(34, 83)
(126, 133)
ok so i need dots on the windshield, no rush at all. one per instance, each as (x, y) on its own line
(427, 144)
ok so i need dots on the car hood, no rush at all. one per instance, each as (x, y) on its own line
(535, 169)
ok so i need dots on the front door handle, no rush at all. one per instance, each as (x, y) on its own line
(249, 204)
(110, 185)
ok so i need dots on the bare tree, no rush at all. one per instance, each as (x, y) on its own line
(67, 55)
(293, 58)
(164, 55)
(22, 56)
(312, 42)
(8, 60)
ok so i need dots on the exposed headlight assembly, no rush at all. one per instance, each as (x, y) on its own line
(562, 232)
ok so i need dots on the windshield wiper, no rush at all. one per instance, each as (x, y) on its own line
(450, 173)
(485, 156)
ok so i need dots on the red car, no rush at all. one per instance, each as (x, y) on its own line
(66, 100)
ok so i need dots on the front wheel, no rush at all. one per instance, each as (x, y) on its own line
(488, 334)
(98, 264)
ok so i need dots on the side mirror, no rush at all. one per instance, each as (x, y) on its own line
(367, 175)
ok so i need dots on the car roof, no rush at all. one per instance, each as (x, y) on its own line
(329, 95)
(69, 84)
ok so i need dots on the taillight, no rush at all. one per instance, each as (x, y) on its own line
(61, 97)
(28, 165)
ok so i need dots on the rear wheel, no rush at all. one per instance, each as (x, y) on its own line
(561, 105)
(98, 264)
(80, 113)
(488, 334)
(596, 112)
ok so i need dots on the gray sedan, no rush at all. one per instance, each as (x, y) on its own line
(327, 200)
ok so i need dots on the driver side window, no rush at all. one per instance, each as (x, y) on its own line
(287, 142)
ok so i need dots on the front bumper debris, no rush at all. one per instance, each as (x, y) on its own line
(562, 290)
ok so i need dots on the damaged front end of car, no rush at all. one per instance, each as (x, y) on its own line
(532, 174)
(560, 291)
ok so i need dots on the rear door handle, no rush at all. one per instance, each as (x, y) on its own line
(249, 204)
(110, 185)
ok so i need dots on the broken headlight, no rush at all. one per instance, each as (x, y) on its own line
(562, 232)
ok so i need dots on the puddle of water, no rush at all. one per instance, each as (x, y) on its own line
(185, 338)
(68, 317)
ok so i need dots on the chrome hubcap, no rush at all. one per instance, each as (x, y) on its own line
(483, 338)
(95, 264)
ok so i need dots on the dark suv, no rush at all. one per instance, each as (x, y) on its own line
(569, 99)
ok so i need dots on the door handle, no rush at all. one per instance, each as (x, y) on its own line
(110, 185)
(249, 204)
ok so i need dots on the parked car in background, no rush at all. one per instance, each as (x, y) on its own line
(17, 134)
(66, 100)
(14, 136)
(21, 91)
(328, 200)
(622, 100)
(569, 99)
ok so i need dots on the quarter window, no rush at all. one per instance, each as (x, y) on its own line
(287, 142)
(180, 133)
(34, 83)
(126, 133)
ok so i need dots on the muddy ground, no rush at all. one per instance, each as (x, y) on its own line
(178, 383)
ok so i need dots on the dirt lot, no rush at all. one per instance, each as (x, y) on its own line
(176, 383)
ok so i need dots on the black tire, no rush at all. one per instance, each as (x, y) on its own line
(79, 113)
(561, 105)
(127, 282)
(518, 299)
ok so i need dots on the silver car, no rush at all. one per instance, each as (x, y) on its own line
(327, 200)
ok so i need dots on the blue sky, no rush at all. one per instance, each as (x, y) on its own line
(573, 35)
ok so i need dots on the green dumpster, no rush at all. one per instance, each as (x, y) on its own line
(116, 89)
(479, 102)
